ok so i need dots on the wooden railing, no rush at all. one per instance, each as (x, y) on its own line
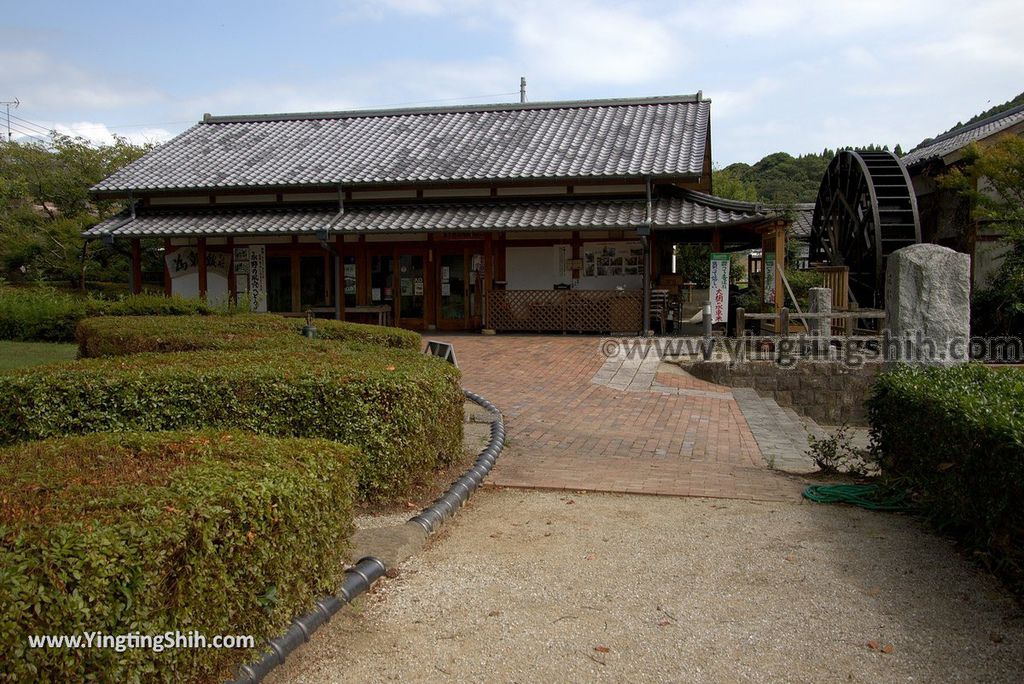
(609, 311)
(844, 321)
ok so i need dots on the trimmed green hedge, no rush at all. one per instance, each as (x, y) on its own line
(403, 409)
(956, 437)
(105, 336)
(222, 533)
(49, 315)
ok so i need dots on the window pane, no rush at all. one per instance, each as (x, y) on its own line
(313, 279)
(350, 280)
(411, 282)
(382, 279)
(453, 287)
(279, 283)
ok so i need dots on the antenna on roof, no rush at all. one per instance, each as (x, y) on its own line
(522, 89)
(17, 102)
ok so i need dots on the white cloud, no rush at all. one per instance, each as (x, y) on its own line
(48, 84)
(736, 103)
(388, 84)
(99, 133)
(570, 42)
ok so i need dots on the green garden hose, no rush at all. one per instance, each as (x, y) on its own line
(868, 496)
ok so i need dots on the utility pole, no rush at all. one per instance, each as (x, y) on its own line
(522, 89)
(14, 102)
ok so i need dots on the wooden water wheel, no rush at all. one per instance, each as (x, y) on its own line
(866, 209)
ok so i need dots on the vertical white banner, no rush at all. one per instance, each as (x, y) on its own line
(258, 278)
(719, 290)
(769, 279)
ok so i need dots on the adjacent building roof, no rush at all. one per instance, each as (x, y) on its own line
(803, 217)
(617, 138)
(692, 210)
(957, 139)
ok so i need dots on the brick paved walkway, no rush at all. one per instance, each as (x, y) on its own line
(576, 421)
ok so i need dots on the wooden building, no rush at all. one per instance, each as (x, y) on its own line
(945, 215)
(539, 216)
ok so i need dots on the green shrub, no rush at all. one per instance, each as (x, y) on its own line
(403, 409)
(221, 533)
(40, 314)
(956, 437)
(149, 305)
(46, 314)
(118, 336)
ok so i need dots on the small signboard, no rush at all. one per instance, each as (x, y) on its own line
(719, 290)
(442, 350)
(769, 279)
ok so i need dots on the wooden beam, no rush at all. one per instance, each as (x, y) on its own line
(201, 256)
(780, 265)
(167, 272)
(232, 289)
(339, 277)
(576, 244)
(136, 266)
(296, 275)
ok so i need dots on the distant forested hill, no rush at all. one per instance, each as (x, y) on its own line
(778, 178)
(785, 179)
(1009, 104)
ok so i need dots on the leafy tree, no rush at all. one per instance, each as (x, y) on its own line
(45, 206)
(991, 177)
(728, 183)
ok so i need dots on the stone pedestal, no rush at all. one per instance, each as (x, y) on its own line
(927, 305)
(820, 299)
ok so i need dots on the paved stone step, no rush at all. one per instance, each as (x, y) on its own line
(781, 434)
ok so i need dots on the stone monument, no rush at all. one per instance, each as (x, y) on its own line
(928, 305)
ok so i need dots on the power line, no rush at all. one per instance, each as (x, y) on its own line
(8, 104)
(37, 127)
(26, 134)
(26, 122)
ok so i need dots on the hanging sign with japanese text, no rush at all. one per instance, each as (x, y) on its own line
(769, 278)
(719, 290)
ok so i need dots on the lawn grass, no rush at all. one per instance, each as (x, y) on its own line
(21, 354)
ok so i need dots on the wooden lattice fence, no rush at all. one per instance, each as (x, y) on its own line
(608, 311)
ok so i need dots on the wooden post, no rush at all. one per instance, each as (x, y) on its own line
(339, 277)
(576, 243)
(201, 256)
(168, 290)
(780, 266)
(488, 277)
(784, 322)
(136, 266)
(362, 273)
(296, 276)
(716, 239)
(232, 285)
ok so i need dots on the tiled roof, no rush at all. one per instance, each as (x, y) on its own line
(803, 217)
(660, 136)
(694, 210)
(954, 140)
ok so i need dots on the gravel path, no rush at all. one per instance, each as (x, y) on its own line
(530, 585)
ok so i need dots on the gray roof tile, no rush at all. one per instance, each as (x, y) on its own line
(661, 136)
(954, 140)
(693, 210)
(803, 217)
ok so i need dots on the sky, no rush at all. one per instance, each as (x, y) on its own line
(782, 75)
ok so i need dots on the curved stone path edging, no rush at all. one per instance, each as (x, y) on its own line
(402, 543)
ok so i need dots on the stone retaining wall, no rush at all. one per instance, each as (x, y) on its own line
(829, 393)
